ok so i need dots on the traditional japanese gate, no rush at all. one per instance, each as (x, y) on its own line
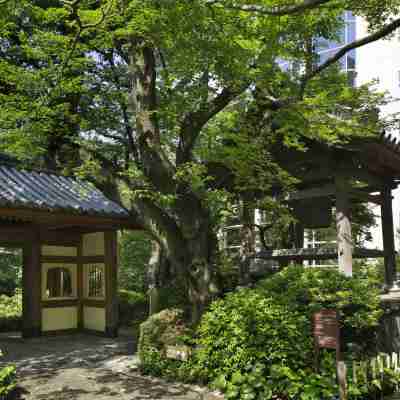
(366, 170)
(339, 176)
(67, 230)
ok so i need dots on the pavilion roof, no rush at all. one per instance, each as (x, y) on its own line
(37, 190)
(377, 156)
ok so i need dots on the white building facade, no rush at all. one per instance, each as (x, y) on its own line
(377, 62)
(380, 61)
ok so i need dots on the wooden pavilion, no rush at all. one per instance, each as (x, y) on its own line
(67, 230)
(335, 176)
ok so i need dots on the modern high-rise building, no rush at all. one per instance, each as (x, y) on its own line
(327, 49)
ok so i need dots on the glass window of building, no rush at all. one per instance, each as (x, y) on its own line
(328, 48)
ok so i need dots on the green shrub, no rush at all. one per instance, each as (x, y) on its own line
(166, 328)
(357, 299)
(133, 307)
(135, 251)
(10, 271)
(257, 343)
(11, 312)
(252, 348)
(7, 380)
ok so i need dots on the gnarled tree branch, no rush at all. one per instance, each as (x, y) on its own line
(74, 9)
(195, 121)
(143, 108)
(277, 11)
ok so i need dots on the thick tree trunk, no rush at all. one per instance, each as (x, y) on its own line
(183, 228)
(158, 273)
(247, 235)
(153, 274)
(201, 276)
(201, 287)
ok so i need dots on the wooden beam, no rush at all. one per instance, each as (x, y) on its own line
(43, 217)
(31, 287)
(388, 236)
(58, 238)
(358, 194)
(303, 254)
(80, 289)
(343, 227)
(73, 259)
(330, 190)
(85, 228)
(323, 191)
(111, 264)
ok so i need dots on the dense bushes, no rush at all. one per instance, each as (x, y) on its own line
(264, 335)
(11, 312)
(257, 343)
(357, 299)
(10, 271)
(252, 347)
(166, 328)
(134, 251)
(7, 381)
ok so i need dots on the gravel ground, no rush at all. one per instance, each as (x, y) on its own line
(77, 367)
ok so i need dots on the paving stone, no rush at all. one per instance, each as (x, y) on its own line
(83, 367)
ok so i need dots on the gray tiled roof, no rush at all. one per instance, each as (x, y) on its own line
(50, 192)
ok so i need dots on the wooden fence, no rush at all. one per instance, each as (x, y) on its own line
(382, 372)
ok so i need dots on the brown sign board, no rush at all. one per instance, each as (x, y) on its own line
(327, 336)
(181, 353)
(326, 329)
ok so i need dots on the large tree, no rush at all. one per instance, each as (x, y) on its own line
(174, 98)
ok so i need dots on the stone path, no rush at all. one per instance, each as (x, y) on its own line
(83, 367)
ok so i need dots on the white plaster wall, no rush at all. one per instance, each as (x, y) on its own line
(59, 251)
(381, 60)
(59, 318)
(93, 244)
(94, 318)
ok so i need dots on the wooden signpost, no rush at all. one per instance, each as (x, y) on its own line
(327, 336)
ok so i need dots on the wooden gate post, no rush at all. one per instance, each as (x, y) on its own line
(388, 236)
(343, 226)
(111, 262)
(31, 287)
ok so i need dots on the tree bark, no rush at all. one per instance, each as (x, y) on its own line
(247, 235)
(182, 229)
(154, 279)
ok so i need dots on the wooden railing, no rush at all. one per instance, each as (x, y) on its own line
(380, 373)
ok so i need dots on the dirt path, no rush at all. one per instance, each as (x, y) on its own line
(83, 367)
